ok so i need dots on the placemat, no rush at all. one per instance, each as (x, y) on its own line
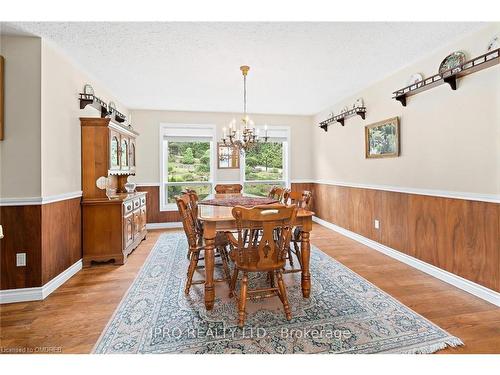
(238, 201)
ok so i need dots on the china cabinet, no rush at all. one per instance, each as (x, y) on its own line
(114, 222)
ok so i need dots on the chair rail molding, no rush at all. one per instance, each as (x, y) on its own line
(448, 277)
(33, 201)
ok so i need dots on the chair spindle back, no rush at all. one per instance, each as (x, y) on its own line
(185, 208)
(266, 251)
(228, 188)
(301, 199)
(279, 193)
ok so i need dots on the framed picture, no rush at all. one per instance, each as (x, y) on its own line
(2, 96)
(228, 157)
(382, 139)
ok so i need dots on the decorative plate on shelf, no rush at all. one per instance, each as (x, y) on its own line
(345, 109)
(453, 60)
(359, 102)
(415, 78)
(111, 106)
(494, 43)
(88, 89)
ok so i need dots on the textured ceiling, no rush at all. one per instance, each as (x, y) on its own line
(296, 68)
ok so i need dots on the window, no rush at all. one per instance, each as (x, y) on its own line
(266, 164)
(187, 161)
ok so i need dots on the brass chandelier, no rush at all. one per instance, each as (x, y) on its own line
(243, 136)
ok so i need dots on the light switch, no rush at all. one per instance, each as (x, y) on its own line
(21, 259)
(377, 224)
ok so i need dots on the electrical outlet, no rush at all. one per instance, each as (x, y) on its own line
(21, 259)
(377, 224)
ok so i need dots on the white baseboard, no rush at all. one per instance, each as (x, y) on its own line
(176, 224)
(39, 293)
(457, 281)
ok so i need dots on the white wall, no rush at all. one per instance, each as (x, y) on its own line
(147, 122)
(450, 140)
(20, 174)
(62, 81)
(41, 153)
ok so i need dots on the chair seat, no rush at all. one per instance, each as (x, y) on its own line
(221, 239)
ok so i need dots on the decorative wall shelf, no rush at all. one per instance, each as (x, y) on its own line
(102, 107)
(450, 76)
(93, 101)
(361, 111)
(118, 116)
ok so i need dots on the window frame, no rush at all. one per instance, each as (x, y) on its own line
(281, 133)
(184, 131)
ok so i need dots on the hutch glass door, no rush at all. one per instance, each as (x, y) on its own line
(124, 156)
(114, 155)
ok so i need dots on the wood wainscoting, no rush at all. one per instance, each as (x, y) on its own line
(457, 235)
(49, 234)
(61, 237)
(153, 214)
(22, 228)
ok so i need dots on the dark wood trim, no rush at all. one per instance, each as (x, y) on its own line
(457, 235)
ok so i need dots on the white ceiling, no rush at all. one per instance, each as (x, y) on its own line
(296, 68)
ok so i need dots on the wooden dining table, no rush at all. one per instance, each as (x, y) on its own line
(220, 218)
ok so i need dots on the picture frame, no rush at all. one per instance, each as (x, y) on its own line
(228, 157)
(382, 139)
(2, 97)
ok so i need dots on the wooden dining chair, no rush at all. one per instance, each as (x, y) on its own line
(228, 188)
(194, 199)
(300, 199)
(279, 193)
(196, 243)
(265, 253)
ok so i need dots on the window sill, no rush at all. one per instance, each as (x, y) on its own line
(169, 207)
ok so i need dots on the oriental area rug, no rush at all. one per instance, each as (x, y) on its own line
(345, 314)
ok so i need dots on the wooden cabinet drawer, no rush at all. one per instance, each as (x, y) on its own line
(128, 206)
(137, 203)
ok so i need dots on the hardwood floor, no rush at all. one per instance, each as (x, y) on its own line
(72, 318)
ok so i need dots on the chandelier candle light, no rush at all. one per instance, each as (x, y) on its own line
(243, 136)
